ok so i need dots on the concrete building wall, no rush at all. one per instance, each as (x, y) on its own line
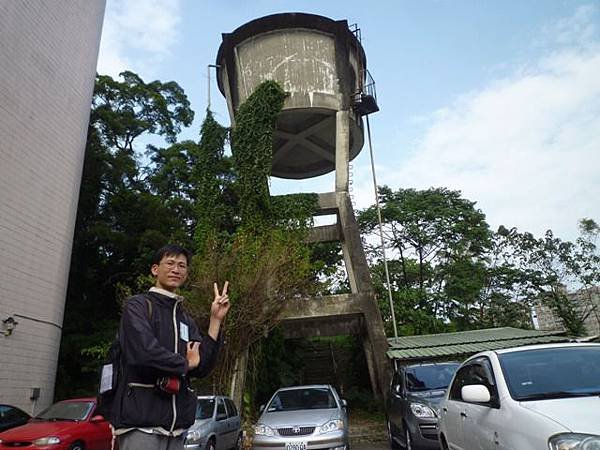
(588, 304)
(48, 55)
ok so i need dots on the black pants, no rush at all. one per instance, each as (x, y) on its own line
(138, 440)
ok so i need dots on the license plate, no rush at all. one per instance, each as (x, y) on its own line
(295, 445)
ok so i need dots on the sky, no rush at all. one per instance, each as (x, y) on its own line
(499, 99)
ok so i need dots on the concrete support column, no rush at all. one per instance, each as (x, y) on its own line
(378, 344)
(349, 268)
(238, 379)
(342, 151)
(370, 357)
(354, 256)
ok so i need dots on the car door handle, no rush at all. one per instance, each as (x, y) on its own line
(463, 414)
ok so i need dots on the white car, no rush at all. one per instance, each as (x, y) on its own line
(525, 398)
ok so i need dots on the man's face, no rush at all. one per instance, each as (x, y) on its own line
(171, 272)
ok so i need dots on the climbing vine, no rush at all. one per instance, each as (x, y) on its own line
(208, 172)
(294, 211)
(244, 235)
(252, 144)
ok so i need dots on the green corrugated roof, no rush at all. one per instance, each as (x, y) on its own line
(430, 346)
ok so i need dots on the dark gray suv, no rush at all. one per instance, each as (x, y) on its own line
(412, 410)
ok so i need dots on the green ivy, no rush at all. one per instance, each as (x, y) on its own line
(211, 211)
(252, 148)
(294, 211)
(243, 234)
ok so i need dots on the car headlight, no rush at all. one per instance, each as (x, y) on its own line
(263, 430)
(332, 425)
(573, 441)
(422, 411)
(49, 440)
(193, 437)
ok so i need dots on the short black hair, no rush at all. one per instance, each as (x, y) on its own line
(171, 250)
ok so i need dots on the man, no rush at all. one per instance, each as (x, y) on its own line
(162, 348)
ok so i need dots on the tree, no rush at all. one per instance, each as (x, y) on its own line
(239, 237)
(510, 285)
(120, 219)
(449, 272)
(213, 184)
(122, 111)
(561, 265)
(438, 240)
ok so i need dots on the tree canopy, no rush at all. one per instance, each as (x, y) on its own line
(449, 271)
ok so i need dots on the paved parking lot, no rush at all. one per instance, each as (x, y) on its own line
(371, 446)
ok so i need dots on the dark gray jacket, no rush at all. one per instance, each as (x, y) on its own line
(153, 346)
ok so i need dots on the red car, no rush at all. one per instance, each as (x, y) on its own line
(66, 425)
(11, 416)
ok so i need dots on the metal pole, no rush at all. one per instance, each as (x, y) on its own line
(208, 86)
(385, 264)
(208, 82)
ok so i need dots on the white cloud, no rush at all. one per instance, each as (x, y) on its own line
(576, 29)
(137, 35)
(526, 148)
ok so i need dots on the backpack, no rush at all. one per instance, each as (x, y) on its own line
(111, 373)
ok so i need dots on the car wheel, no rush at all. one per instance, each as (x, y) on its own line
(77, 446)
(444, 443)
(407, 439)
(239, 444)
(393, 444)
(210, 445)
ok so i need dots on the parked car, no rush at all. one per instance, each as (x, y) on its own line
(526, 398)
(412, 406)
(303, 418)
(11, 416)
(66, 425)
(218, 425)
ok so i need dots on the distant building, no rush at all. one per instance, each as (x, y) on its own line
(587, 302)
(48, 56)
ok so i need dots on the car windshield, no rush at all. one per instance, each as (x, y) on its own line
(309, 398)
(205, 408)
(8, 413)
(429, 377)
(547, 373)
(66, 411)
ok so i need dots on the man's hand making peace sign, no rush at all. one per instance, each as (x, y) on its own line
(218, 310)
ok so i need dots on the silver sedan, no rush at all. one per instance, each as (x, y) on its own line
(309, 417)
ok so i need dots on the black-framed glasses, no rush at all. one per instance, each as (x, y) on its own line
(171, 264)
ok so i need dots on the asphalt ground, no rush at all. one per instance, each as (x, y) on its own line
(371, 446)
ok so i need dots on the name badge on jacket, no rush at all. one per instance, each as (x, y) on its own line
(184, 332)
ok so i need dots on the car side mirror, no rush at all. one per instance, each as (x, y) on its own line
(344, 404)
(221, 416)
(475, 393)
(262, 408)
(397, 390)
(97, 419)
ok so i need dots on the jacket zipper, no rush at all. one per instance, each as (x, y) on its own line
(176, 350)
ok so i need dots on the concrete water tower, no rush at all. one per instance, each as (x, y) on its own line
(321, 64)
